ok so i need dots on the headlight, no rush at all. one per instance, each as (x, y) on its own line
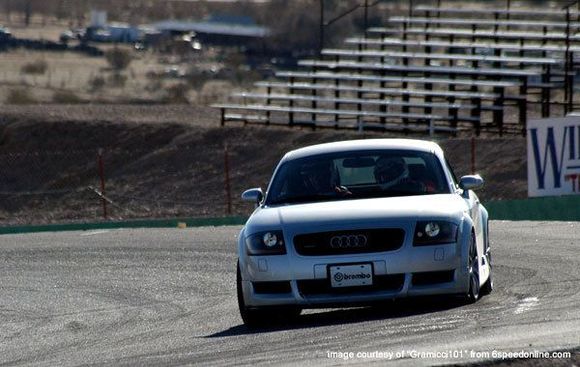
(434, 233)
(266, 243)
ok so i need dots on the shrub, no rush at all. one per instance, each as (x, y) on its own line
(215, 90)
(235, 60)
(154, 86)
(177, 93)
(117, 80)
(197, 78)
(96, 83)
(38, 67)
(118, 59)
(20, 96)
(66, 97)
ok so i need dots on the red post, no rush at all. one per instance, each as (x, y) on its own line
(227, 180)
(472, 155)
(101, 166)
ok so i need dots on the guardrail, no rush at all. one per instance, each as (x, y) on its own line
(151, 223)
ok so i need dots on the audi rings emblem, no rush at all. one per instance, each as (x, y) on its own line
(348, 241)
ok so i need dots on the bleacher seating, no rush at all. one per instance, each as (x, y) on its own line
(438, 70)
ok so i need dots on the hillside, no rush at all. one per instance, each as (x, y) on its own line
(167, 161)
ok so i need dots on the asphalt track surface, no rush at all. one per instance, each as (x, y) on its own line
(160, 297)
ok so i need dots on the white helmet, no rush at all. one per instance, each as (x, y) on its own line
(389, 171)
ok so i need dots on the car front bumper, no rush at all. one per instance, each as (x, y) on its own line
(304, 280)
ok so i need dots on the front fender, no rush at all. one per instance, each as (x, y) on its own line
(242, 252)
(485, 226)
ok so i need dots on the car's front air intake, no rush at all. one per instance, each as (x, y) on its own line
(381, 283)
(349, 242)
(433, 277)
(271, 287)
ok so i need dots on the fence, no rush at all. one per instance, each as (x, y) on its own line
(90, 185)
(115, 184)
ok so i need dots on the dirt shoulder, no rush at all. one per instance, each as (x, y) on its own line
(167, 161)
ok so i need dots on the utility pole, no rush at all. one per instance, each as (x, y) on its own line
(365, 5)
(569, 63)
(8, 10)
(321, 31)
(366, 15)
(101, 167)
(27, 12)
(227, 183)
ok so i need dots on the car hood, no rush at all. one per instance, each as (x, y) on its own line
(353, 213)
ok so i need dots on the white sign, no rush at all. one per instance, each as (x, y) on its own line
(98, 18)
(554, 157)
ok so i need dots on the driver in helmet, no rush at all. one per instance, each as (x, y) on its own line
(393, 173)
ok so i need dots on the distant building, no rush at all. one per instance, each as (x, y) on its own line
(98, 18)
(217, 29)
(5, 34)
(5, 38)
(102, 31)
(224, 30)
(114, 32)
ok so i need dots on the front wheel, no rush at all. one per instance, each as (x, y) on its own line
(473, 293)
(262, 316)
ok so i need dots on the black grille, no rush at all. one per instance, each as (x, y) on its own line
(383, 283)
(433, 277)
(349, 242)
(271, 287)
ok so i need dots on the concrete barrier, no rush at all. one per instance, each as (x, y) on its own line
(561, 208)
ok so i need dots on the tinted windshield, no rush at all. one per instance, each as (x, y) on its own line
(356, 175)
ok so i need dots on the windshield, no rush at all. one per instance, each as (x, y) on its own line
(357, 175)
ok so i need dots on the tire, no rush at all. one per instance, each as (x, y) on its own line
(254, 317)
(487, 287)
(474, 288)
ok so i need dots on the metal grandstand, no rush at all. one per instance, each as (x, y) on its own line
(437, 70)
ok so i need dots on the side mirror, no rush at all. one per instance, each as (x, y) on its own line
(471, 182)
(254, 195)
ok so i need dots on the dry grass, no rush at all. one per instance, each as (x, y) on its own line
(20, 96)
(73, 72)
(76, 73)
(65, 70)
(37, 67)
(49, 32)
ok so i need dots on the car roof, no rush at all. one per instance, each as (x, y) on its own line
(364, 144)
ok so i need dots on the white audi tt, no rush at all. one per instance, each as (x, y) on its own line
(360, 221)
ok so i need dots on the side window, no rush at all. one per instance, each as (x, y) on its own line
(453, 176)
